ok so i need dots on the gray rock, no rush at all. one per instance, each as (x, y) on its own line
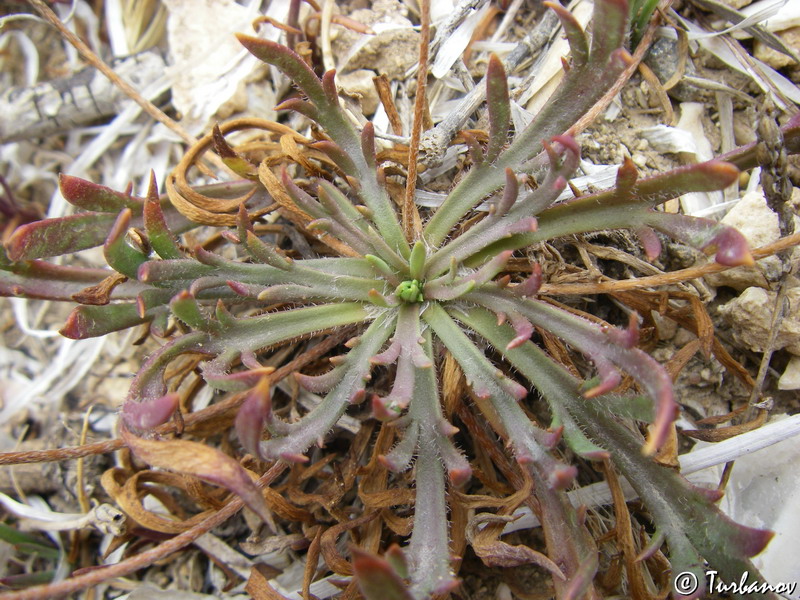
(749, 317)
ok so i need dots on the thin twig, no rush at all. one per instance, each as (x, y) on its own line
(145, 559)
(381, 83)
(411, 220)
(83, 500)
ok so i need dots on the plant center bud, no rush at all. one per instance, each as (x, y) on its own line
(410, 291)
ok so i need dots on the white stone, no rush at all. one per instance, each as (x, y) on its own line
(749, 317)
(762, 492)
(358, 84)
(209, 66)
(790, 380)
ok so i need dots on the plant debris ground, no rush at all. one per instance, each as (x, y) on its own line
(59, 393)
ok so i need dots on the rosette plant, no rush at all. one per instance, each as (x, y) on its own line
(416, 294)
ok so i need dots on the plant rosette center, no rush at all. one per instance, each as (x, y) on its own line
(410, 291)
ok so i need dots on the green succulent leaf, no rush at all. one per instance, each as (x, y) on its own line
(54, 237)
(499, 107)
(93, 321)
(97, 198)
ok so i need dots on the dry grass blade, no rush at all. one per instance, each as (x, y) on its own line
(494, 552)
(335, 561)
(258, 585)
(660, 92)
(312, 558)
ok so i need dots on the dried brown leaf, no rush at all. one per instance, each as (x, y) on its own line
(129, 498)
(100, 294)
(335, 561)
(725, 433)
(202, 461)
(258, 585)
(312, 558)
(495, 553)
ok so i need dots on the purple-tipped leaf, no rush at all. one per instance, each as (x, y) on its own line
(377, 579)
(185, 307)
(329, 86)
(598, 345)
(729, 246)
(266, 253)
(531, 286)
(54, 237)
(456, 464)
(253, 414)
(498, 105)
(93, 321)
(510, 193)
(578, 44)
(217, 373)
(627, 175)
(149, 414)
(399, 458)
(120, 255)
(612, 16)
(301, 106)
(368, 144)
(474, 149)
(149, 384)
(98, 198)
(233, 160)
(339, 157)
(649, 241)
(290, 63)
(161, 239)
(320, 384)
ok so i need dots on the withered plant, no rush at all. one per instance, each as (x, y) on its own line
(413, 303)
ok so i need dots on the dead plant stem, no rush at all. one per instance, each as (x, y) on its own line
(411, 220)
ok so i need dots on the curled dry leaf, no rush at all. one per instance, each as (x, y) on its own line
(495, 553)
(204, 462)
